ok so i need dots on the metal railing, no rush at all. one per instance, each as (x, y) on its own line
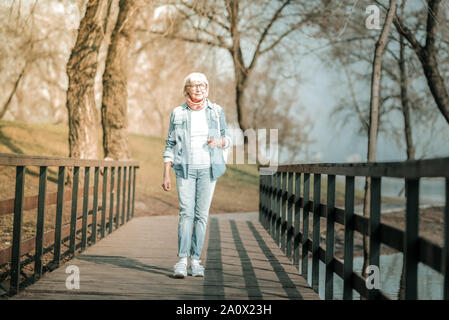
(284, 203)
(19, 254)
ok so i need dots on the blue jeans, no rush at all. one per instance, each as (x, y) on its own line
(195, 196)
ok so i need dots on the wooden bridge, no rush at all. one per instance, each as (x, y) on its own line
(254, 256)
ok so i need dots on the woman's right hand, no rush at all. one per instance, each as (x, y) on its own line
(166, 184)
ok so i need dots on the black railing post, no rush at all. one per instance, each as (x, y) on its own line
(316, 231)
(40, 223)
(104, 201)
(119, 179)
(411, 247)
(85, 208)
(128, 204)
(289, 214)
(278, 207)
(349, 239)
(330, 238)
(111, 201)
(305, 227)
(58, 222)
(73, 217)
(17, 230)
(93, 236)
(446, 245)
(273, 205)
(374, 226)
(296, 241)
(134, 191)
(124, 195)
(283, 211)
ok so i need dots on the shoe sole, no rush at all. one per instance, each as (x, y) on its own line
(179, 276)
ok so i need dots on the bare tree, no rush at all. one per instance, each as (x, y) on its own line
(427, 55)
(114, 104)
(81, 70)
(232, 25)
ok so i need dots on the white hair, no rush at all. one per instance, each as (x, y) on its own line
(194, 76)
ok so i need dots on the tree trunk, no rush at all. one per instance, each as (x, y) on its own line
(374, 116)
(427, 57)
(407, 131)
(114, 105)
(81, 71)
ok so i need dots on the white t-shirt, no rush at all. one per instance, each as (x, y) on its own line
(199, 131)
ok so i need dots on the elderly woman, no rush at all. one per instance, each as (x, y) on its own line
(197, 136)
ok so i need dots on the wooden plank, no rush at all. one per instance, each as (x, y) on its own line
(242, 262)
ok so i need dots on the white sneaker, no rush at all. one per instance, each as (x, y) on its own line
(180, 270)
(196, 268)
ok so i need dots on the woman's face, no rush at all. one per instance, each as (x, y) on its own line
(197, 90)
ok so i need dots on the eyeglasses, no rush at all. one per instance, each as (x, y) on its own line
(200, 86)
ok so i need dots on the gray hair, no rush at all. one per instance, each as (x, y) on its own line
(194, 76)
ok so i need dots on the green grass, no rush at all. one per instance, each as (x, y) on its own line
(236, 191)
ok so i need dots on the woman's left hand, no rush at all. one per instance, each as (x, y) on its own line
(215, 142)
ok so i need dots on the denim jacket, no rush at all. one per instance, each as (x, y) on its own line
(177, 148)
